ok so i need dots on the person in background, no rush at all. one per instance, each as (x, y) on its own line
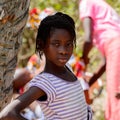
(80, 72)
(56, 89)
(36, 65)
(22, 76)
(101, 26)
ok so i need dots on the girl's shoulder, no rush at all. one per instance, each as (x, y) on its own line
(45, 83)
(43, 77)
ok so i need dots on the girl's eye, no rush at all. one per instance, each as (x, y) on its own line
(55, 44)
(70, 44)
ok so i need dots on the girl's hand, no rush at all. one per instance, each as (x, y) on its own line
(117, 95)
(85, 60)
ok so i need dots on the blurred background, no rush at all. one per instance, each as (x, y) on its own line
(40, 9)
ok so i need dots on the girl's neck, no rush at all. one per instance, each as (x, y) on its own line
(61, 72)
(54, 69)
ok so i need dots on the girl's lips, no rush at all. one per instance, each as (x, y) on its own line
(63, 60)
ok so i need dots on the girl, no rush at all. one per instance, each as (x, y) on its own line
(56, 89)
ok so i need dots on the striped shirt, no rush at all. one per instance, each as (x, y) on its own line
(65, 100)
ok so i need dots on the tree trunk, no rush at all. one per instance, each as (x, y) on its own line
(13, 17)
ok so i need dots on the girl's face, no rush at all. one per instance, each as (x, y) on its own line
(59, 47)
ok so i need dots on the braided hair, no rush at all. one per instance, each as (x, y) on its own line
(58, 20)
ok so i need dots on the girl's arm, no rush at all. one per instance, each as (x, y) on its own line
(87, 46)
(12, 110)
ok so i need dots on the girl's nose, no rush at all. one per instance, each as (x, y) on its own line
(63, 50)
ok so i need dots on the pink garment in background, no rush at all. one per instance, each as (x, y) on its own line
(107, 38)
(112, 52)
(106, 20)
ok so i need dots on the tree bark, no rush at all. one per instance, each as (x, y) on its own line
(13, 17)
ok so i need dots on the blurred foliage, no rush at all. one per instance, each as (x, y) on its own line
(66, 6)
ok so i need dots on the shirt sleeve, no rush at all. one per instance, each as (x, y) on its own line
(86, 8)
(44, 83)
